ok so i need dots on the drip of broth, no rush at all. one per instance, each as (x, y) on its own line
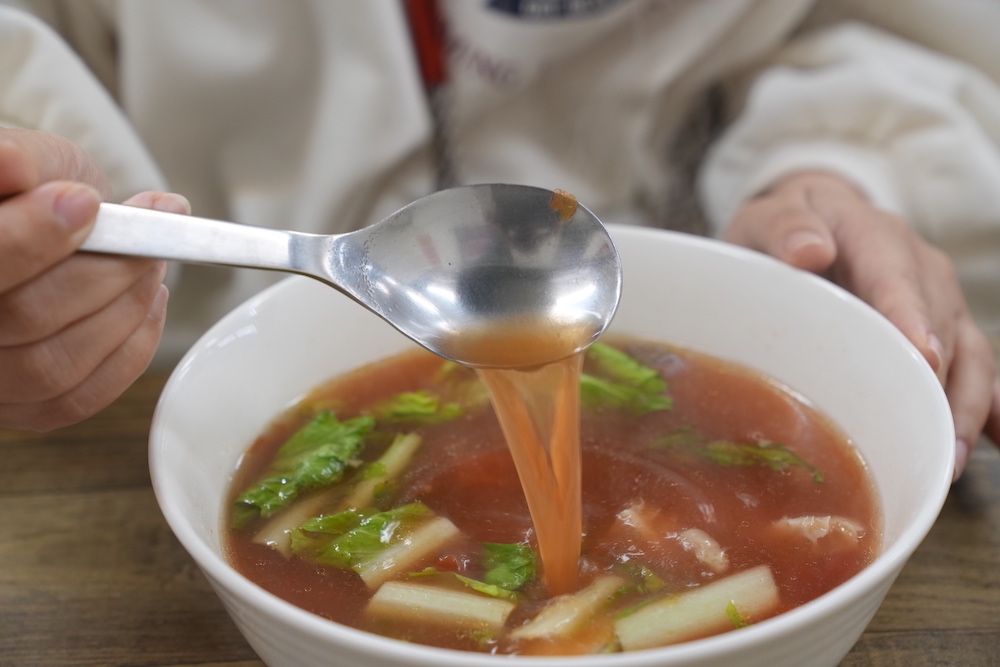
(539, 414)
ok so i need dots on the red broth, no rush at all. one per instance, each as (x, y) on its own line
(539, 415)
(672, 500)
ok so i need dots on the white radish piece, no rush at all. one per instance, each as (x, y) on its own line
(276, 533)
(418, 545)
(439, 606)
(393, 461)
(568, 614)
(700, 611)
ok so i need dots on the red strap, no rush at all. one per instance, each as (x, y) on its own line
(427, 30)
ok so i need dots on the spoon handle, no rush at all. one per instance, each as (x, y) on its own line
(127, 230)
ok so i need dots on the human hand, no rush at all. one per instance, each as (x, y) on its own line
(818, 222)
(75, 329)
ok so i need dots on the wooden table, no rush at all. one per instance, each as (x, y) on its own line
(90, 574)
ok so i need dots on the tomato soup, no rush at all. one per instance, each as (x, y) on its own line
(707, 498)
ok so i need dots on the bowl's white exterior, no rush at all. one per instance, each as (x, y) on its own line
(698, 293)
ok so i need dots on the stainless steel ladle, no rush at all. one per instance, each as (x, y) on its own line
(486, 275)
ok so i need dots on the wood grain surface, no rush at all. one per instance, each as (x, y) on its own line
(90, 574)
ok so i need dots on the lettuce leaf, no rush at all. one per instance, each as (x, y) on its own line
(317, 455)
(773, 455)
(598, 394)
(770, 454)
(509, 566)
(624, 369)
(355, 537)
(461, 385)
(417, 407)
(643, 578)
(619, 381)
(486, 589)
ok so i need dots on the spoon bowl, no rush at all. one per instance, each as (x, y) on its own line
(485, 275)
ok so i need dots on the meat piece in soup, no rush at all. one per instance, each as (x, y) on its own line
(712, 498)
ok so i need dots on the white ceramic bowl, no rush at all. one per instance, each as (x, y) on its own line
(817, 339)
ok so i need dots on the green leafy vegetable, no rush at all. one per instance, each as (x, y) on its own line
(682, 437)
(646, 581)
(479, 586)
(487, 589)
(315, 456)
(620, 381)
(598, 394)
(624, 369)
(461, 385)
(641, 604)
(353, 538)
(509, 566)
(734, 616)
(374, 470)
(773, 455)
(420, 407)
(377, 481)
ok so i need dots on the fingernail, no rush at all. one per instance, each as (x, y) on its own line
(158, 309)
(161, 269)
(171, 202)
(961, 458)
(76, 206)
(796, 241)
(934, 354)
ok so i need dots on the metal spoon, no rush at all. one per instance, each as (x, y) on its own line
(486, 275)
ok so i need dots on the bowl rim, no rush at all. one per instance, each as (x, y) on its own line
(883, 569)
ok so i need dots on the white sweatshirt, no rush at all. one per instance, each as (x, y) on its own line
(311, 114)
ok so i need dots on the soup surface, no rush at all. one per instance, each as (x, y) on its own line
(712, 498)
